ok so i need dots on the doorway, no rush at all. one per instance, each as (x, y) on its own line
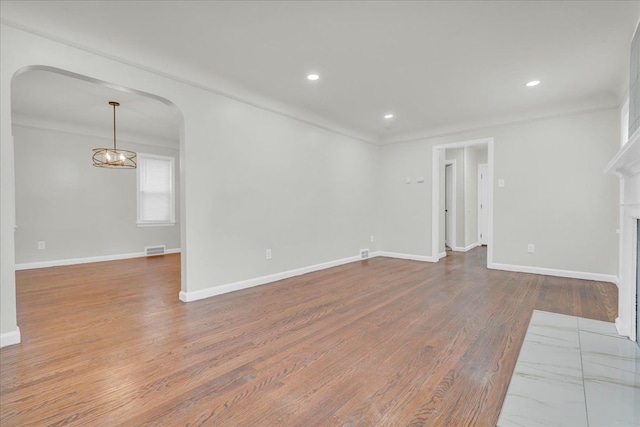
(73, 212)
(450, 204)
(455, 219)
(58, 121)
(483, 197)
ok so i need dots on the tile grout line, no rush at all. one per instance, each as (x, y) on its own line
(604, 334)
(584, 387)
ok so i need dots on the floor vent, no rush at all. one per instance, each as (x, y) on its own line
(364, 253)
(154, 250)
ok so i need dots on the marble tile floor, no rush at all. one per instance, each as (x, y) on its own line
(573, 372)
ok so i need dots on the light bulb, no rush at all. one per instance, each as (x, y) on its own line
(108, 156)
(122, 157)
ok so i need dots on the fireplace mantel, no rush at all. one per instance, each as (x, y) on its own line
(627, 161)
(626, 165)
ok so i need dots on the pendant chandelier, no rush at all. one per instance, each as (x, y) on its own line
(115, 158)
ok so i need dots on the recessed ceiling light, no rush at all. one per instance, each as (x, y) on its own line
(313, 77)
(388, 116)
(533, 83)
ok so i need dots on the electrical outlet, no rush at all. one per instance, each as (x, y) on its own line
(268, 254)
(530, 248)
(372, 239)
(364, 253)
(41, 245)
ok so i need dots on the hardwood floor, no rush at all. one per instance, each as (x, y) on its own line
(382, 342)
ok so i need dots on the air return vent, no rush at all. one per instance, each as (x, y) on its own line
(154, 250)
(364, 253)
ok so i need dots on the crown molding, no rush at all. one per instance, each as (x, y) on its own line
(217, 86)
(477, 126)
(91, 132)
(221, 87)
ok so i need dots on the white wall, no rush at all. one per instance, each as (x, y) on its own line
(251, 179)
(404, 225)
(272, 182)
(467, 160)
(481, 155)
(457, 154)
(556, 195)
(474, 156)
(78, 210)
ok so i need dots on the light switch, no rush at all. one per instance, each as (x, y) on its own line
(501, 183)
(420, 179)
(407, 180)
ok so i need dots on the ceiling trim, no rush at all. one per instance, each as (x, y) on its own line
(315, 121)
(24, 121)
(457, 130)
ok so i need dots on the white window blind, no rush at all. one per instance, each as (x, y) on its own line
(156, 198)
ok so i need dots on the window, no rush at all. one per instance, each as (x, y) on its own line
(156, 194)
(624, 122)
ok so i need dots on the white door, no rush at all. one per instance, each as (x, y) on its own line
(483, 192)
(448, 205)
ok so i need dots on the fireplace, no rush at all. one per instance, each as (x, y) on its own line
(626, 165)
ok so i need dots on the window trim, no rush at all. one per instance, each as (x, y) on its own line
(172, 221)
(624, 122)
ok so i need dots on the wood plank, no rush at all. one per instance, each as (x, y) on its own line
(378, 342)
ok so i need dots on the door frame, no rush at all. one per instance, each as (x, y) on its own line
(454, 196)
(435, 194)
(14, 337)
(479, 193)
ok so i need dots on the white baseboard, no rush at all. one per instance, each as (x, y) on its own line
(236, 286)
(557, 273)
(442, 255)
(74, 261)
(10, 338)
(244, 284)
(404, 256)
(465, 249)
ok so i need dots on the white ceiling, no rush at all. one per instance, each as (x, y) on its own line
(54, 100)
(438, 66)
